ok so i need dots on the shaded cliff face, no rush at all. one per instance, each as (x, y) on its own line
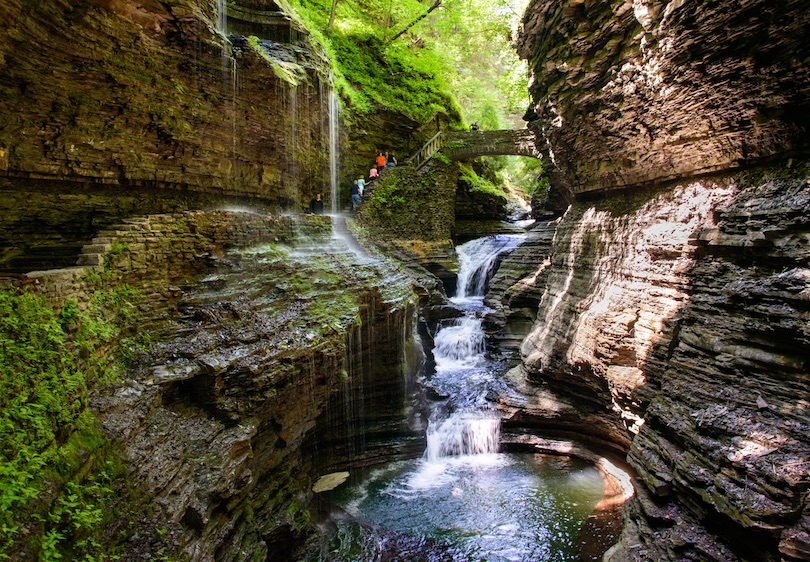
(230, 417)
(647, 91)
(116, 107)
(143, 93)
(675, 323)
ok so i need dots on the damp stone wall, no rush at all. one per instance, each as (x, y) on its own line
(155, 252)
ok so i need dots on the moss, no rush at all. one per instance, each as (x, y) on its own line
(785, 170)
(290, 73)
(372, 73)
(479, 184)
(406, 205)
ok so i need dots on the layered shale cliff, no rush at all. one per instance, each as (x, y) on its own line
(265, 355)
(665, 313)
(641, 92)
(115, 108)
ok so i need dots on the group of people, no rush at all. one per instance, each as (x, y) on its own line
(382, 161)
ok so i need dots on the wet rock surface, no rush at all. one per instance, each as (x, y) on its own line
(265, 374)
(679, 317)
(629, 93)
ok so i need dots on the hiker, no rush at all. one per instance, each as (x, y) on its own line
(361, 183)
(392, 162)
(474, 126)
(355, 191)
(373, 174)
(380, 160)
(316, 205)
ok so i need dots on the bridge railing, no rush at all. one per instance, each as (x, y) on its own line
(424, 154)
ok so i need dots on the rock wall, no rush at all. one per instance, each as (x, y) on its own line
(674, 323)
(145, 93)
(259, 373)
(112, 108)
(628, 93)
(412, 214)
(670, 299)
(156, 251)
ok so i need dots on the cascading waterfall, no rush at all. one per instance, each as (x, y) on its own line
(462, 370)
(463, 433)
(478, 261)
(230, 83)
(461, 345)
(464, 496)
(222, 31)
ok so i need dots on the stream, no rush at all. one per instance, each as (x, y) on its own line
(464, 499)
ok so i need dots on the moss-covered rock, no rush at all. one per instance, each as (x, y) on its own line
(410, 205)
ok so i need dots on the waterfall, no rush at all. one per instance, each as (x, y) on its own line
(460, 345)
(222, 30)
(333, 148)
(463, 372)
(463, 433)
(479, 259)
(229, 71)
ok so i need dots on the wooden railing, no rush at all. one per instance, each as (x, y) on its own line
(429, 149)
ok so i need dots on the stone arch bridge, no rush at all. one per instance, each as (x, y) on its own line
(462, 145)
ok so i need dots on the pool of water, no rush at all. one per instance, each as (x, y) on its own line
(492, 507)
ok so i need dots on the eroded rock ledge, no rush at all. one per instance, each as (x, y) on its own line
(642, 92)
(263, 369)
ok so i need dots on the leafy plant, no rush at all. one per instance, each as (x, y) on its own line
(371, 73)
(48, 363)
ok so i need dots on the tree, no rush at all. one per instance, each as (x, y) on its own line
(332, 16)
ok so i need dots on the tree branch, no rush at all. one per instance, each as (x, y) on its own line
(435, 5)
(332, 16)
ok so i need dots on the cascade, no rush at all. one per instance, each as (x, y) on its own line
(479, 259)
(463, 497)
(463, 433)
(463, 371)
(229, 70)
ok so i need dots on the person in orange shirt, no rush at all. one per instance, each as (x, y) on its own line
(380, 162)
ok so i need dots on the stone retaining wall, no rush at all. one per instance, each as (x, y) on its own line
(156, 251)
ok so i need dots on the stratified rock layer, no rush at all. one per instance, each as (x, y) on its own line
(265, 374)
(114, 108)
(675, 323)
(675, 319)
(630, 93)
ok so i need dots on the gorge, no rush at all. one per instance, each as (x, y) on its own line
(156, 159)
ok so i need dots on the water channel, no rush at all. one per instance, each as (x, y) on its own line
(464, 499)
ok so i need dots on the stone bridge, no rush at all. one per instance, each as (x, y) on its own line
(463, 145)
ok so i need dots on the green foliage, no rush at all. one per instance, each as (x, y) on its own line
(373, 74)
(477, 183)
(489, 118)
(539, 187)
(388, 195)
(48, 363)
(476, 36)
